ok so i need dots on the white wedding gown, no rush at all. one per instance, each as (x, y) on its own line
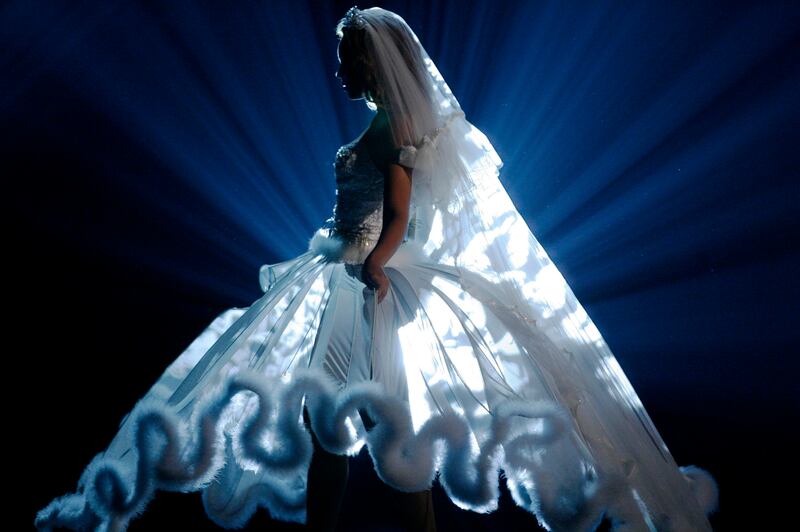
(438, 362)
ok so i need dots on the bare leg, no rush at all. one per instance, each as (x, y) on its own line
(415, 509)
(327, 480)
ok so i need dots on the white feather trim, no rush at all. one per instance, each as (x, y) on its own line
(337, 249)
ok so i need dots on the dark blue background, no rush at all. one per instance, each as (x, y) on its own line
(155, 154)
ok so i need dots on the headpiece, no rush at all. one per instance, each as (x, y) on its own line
(354, 19)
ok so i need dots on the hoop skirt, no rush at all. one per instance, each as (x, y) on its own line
(466, 387)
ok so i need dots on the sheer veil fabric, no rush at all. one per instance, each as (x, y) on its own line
(480, 364)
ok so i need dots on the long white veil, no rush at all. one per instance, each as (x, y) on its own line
(463, 217)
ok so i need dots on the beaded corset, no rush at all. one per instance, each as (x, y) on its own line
(358, 214)
(352, 232)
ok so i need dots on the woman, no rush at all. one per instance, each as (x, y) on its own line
(426, 321)
(328, 472)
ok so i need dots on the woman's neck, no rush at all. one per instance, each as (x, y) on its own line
(380, 120)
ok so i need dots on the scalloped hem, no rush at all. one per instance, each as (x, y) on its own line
(267, 445)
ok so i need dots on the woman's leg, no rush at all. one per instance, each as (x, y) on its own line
(327, 480)
(415, 509)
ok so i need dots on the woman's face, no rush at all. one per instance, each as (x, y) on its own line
(353, 80)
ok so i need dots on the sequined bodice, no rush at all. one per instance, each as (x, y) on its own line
(358, 213)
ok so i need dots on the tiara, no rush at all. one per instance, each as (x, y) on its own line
(354, 18)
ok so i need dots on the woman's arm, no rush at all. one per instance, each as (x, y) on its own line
(396, 198)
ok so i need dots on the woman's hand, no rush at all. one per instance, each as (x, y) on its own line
(373, 276)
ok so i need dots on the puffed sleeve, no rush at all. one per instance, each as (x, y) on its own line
(406, 156)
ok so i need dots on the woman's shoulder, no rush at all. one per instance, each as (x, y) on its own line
(381, 146)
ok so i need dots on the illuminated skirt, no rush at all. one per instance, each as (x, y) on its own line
(466, 390)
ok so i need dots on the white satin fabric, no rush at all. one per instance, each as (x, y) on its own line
(480, 359)
(462, 381)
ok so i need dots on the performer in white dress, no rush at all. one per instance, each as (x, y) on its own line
(424, 310)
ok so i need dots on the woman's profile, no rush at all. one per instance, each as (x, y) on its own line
(425, 322)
